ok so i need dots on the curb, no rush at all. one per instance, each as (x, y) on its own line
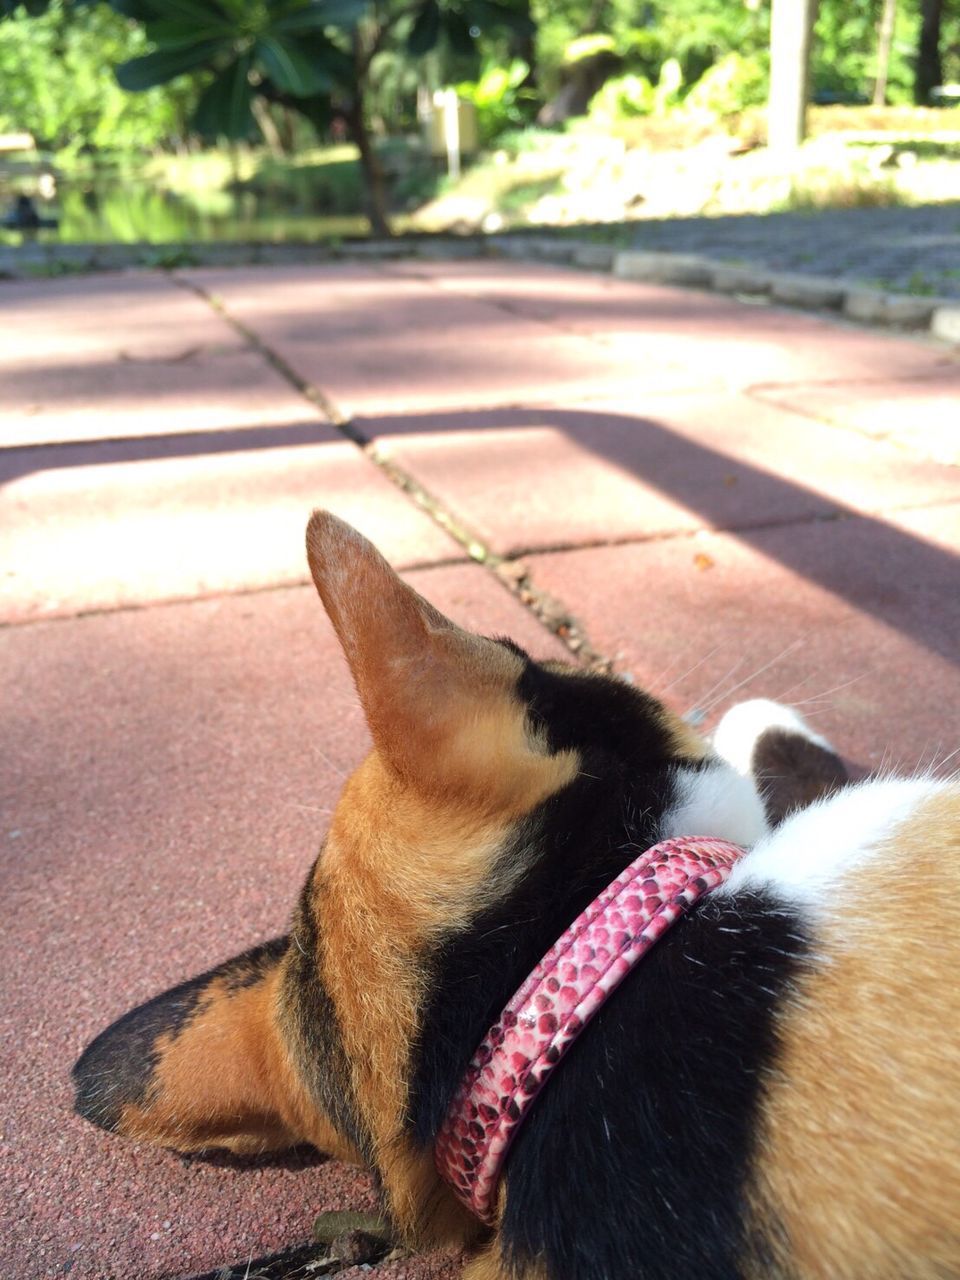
(937, 316)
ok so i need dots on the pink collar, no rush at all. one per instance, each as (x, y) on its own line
(559, 998)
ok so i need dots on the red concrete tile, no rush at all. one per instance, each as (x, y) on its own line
(683, 339)
(101, 526)
(856, 622)
(375, 342)
(619, 469)
(113, 356)
(921, 414)
(173, 776)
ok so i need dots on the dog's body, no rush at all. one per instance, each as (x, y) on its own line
(773, 1092)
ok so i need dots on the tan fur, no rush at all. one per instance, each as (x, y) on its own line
(489, 1265)
(416, 833)
(860, 1150)
(251, 1103)
(397, 867)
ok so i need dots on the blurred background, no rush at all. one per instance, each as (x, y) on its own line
(173, 122)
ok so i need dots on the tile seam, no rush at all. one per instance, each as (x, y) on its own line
(548, 612)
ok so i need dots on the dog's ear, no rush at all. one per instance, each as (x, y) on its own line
(791, 766)
(202, 1067)
(440, 702)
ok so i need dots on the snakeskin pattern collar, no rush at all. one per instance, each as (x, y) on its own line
(557, 1001)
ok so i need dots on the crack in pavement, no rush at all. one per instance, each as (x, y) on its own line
(550, 612)
(509, 570)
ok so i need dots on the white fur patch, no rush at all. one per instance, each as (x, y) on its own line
(715, 801)
(736, 735)
(802, 862)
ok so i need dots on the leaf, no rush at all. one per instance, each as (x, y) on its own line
(425, 31)
(224, 109)
(165, 64)
(457, 30)
(318, 109)
(140, 10)
(491, 15)
(199, 12)
(298, 67)
(316, 15)
(177, 34)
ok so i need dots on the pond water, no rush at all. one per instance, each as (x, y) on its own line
(113, 208)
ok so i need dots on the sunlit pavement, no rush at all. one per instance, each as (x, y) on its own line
(729, 500)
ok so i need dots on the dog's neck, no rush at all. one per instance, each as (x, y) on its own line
(715, 800)
(559, 998)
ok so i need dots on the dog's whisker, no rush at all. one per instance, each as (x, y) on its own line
(828, 693)
(655, 684)
(325, 759)
(702, 703)
(707, 706)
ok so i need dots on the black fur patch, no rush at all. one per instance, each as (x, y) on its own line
(118, 1067)
(632, 1163)
(576, 843)
(312, 1028)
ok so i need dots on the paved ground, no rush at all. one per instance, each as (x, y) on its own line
(719, 498)
(911, 250)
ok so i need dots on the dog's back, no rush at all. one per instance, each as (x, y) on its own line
(857, 1164)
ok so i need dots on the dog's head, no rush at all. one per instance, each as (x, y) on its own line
(500, 797)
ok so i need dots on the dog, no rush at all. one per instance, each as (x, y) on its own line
(594, 998)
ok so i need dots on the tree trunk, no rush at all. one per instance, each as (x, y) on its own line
(888, 19)
(929, 69)
(370, 167)
(791, 28)
(356, 115)
(271, 134)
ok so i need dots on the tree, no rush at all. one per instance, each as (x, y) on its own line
(56, 69)
(929, 70)
(791, 28)
(315, 56)
(888, 19)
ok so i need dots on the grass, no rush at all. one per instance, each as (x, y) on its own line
(848, 188)
(518, 197)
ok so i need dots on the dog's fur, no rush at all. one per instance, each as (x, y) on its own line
(774, 1092)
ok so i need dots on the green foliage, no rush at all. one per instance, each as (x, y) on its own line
(731, 85)
(696, 33)
(829, 189)
(499, 98)
(58, 82)
(588, 47)
(222, 67)
(294, 46)
(844, 56)
(629, 96)
(622, 98)
(701, 32)
(461, 25)
(669, 86)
